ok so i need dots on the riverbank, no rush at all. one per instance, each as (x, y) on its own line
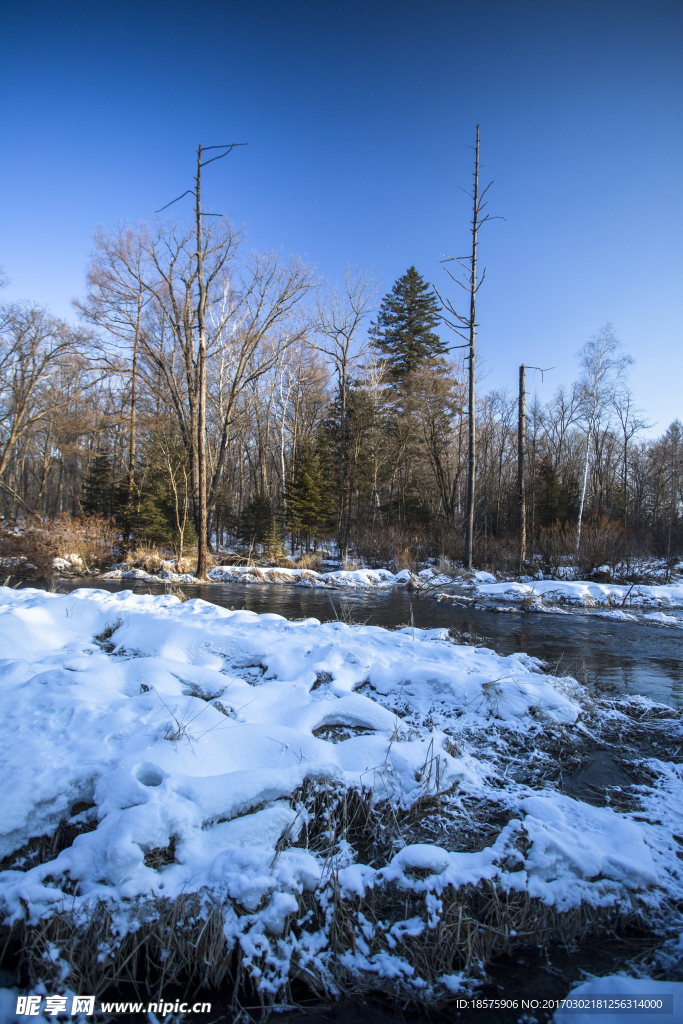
(273, 785)
(364, 579)
(531, 594)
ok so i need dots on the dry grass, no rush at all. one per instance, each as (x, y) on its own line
(154, 559)
(447, 567)
(310, 560)
(182, 941)
(42, 849)
(28, 547)
(405, 559)
(147, 556)
(185, 564)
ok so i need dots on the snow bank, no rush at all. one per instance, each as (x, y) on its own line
(584, 594)
(363, 579)
(176, 737)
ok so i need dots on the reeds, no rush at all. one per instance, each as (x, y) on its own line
(183, 941)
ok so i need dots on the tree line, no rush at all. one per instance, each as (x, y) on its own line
(213, 395)
(328, 418)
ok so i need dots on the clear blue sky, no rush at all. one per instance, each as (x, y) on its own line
(358, 117)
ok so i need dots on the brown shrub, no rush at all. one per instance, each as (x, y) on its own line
(28, 548)
(93, 539)
(603, 543)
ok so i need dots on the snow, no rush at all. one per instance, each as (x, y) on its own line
(584, 594)
(195, 724)
(621, 987)
(364, 579)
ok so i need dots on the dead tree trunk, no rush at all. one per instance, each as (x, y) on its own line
(465, 327)
(472, 430)
(521, 448)
(201, 504)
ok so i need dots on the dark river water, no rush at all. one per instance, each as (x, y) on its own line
(606, 655)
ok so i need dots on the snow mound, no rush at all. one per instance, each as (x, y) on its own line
(363, 579)
(176, 740)
(584, 594)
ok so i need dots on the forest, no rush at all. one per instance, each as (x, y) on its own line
(313, 417)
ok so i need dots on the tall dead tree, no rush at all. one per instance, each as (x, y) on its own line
(201, 330)
(521, 448)
(465, 328)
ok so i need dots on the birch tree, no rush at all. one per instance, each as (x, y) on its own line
(603, 367)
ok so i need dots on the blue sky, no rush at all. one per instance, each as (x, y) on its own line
(359, 116)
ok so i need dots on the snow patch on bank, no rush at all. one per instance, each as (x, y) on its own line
(584, 594)
(358, 579)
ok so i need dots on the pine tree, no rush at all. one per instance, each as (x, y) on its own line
(152, 514)
(557, 502)
(256, 521)
(98, 490)
(310, 502)
(404, 329)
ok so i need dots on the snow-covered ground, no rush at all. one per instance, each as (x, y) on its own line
(181, 738)
(614, 596)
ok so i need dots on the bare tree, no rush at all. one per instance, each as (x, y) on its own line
(465, 327)
(631, 421)
(339, 318)
(521, 456)
(38, 353)
(116, 298)
(257, 320)
(602, 368)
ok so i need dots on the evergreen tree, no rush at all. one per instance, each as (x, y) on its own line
(97, 497)
(152, 514)
(404, 329)
(310, 501)
(256, 521)
(557, 502)
(149, 517)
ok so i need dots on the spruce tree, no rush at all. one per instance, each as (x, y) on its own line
(557, 502)
(310, 501)
(98, 491)
(404, 329)
(256, 521)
